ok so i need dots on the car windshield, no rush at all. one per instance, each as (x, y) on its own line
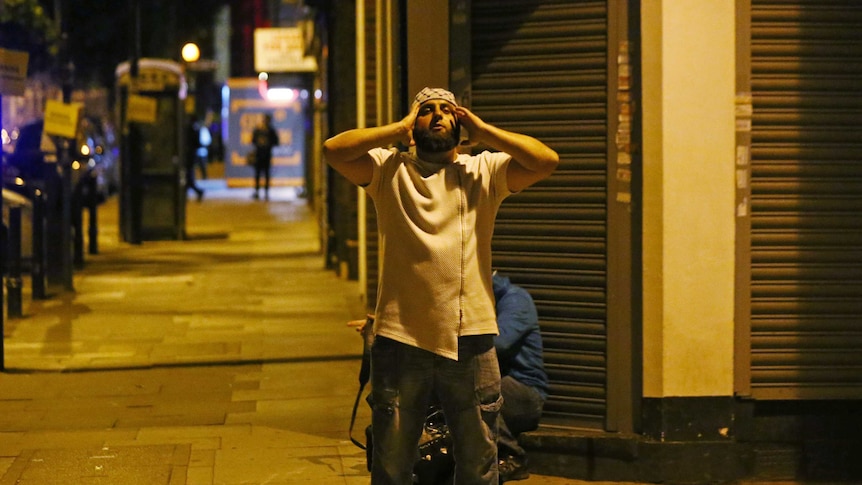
(31, 139)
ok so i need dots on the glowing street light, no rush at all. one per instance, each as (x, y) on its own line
(191, 52)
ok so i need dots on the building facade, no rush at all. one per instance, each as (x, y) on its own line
(696, 259)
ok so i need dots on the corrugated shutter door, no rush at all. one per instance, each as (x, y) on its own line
(806, 302)
(540, 68)
(372, 251)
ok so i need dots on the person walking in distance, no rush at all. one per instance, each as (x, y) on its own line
(264, 137)
(191, 155)
(205, 140)
(435, 321)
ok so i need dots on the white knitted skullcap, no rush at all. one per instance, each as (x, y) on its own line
(428, 94)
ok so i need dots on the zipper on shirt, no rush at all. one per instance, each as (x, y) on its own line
(461, 216)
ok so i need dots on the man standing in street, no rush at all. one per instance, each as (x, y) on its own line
(264, 137)
(435, 320)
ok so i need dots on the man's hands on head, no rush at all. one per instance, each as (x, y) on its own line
(533, 160)
(347, 152)
(408, 123)
(472, 123)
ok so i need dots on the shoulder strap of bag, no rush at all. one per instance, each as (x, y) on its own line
(364, 374)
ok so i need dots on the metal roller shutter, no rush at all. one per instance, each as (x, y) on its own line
(372, 251)
(806, 183)
(540, 68)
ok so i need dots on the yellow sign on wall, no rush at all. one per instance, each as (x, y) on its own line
(13, 72)
(142, 109)
(61, 119)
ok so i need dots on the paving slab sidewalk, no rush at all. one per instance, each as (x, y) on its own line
(220, 359)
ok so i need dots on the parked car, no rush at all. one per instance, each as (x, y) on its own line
(98, 149)
(33, 165)
(94, 161)
(31, 162)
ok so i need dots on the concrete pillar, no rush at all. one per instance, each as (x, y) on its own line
(427, 45)
(688, 191)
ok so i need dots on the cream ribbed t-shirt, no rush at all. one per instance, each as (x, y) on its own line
(435, 223)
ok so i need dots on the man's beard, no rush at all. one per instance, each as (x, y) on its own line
(434, 142)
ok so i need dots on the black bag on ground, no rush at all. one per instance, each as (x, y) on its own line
(436, 465)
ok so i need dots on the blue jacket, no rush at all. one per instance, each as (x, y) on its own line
(519, 344)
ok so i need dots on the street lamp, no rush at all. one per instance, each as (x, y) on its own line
(191, 52)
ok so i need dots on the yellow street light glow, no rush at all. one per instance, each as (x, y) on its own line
(191, 52)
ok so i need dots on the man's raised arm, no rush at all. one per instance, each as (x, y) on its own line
(533, 160)
(347, 152)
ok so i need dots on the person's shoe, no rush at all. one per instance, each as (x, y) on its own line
(255, 196)
(200, 195)
(513, 468)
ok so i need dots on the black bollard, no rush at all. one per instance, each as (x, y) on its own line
(14, 306)
(93, 220)
(77, 229)
(37, 265)
(94, 230)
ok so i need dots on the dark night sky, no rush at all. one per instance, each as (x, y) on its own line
(101, 34)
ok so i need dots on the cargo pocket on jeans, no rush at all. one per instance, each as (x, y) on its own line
(490, 405)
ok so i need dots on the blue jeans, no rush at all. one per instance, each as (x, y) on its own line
(521, 412)
(403, 381)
